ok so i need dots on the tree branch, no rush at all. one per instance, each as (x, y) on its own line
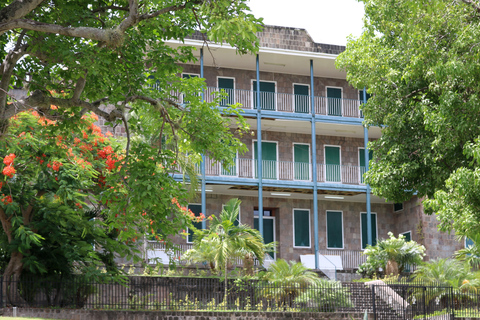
(18, 9)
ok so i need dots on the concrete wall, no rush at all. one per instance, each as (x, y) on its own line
(79, 314)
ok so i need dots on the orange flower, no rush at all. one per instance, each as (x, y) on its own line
(8, 160)
(9, 171)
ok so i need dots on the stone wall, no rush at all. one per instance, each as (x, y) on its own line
(79, 314)
(287, 38)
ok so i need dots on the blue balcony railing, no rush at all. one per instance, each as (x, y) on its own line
(286, 171)
(287, 102)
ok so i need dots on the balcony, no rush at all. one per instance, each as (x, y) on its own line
(287, 171)
(286, 102)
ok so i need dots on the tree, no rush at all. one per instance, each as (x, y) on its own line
(392, 254)
(111, 58)
(230, 240)
(50, 176)
(419, 61)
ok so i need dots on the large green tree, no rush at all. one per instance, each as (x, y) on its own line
(111, 58)
(420, 62)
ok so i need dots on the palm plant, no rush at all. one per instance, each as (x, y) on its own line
(471, 253)
(228, 240)
(203, 251)
(393, 254)
(326, 296)
(287, 280)
(443, 274)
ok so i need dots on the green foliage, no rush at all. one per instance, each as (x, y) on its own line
(123, 55)
(287, 280)
(421, 64)
(391, 249)
(326, 296)
(224, 241)
(447, 272)
(470, 254)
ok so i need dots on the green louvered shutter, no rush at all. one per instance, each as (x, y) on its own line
(269, 160)
(301, 223)
(334, 102)
(302, 102)
(301, 158)
(268, 231)
(332, 164)
(361, 156)
(196, 209)
(334, 229)
(227, 85)
(364, 229)
(267, 95)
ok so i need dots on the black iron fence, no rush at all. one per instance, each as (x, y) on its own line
(172, 293)
(413, 301)
(386, 301)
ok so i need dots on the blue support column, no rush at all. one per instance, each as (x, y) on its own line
(314, 167)
(202, 166)
(259, 153)
(369, 213)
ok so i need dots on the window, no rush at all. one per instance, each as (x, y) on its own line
(268, 226)
(227, 85)
(301, 158)
(363, 222)
(301, 98)
(196, 209)
(398, 207)
(267, 95)
(361, 161)
(332, 164)
(334, 229)
(408, 236)
(334, 102)
(269, 159)
(301, 228)
(468, 242)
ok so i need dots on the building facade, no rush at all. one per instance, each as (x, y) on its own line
(306, 157)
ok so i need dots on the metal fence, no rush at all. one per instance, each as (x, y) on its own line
(400, 301)
(171, 293)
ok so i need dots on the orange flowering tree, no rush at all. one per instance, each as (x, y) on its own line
(65, 188)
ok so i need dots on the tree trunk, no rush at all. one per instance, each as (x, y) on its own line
(391, 268)
(11, 276)
(248, 264)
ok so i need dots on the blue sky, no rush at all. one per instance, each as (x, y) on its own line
(327, 21)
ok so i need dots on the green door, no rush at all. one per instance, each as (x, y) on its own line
(268, 230)
(334, 230)
(334, 102)
(332, 164)
(301, 158)
(227, 85)
(361, 160)
(302, 102)
(269, 160)
(196, 209)
(267, 95)
(364, 229)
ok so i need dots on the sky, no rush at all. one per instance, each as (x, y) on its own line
(327, 21)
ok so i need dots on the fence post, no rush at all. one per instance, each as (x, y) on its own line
(451, 305)
(373, 303)
(1, 291)
(424, 303)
